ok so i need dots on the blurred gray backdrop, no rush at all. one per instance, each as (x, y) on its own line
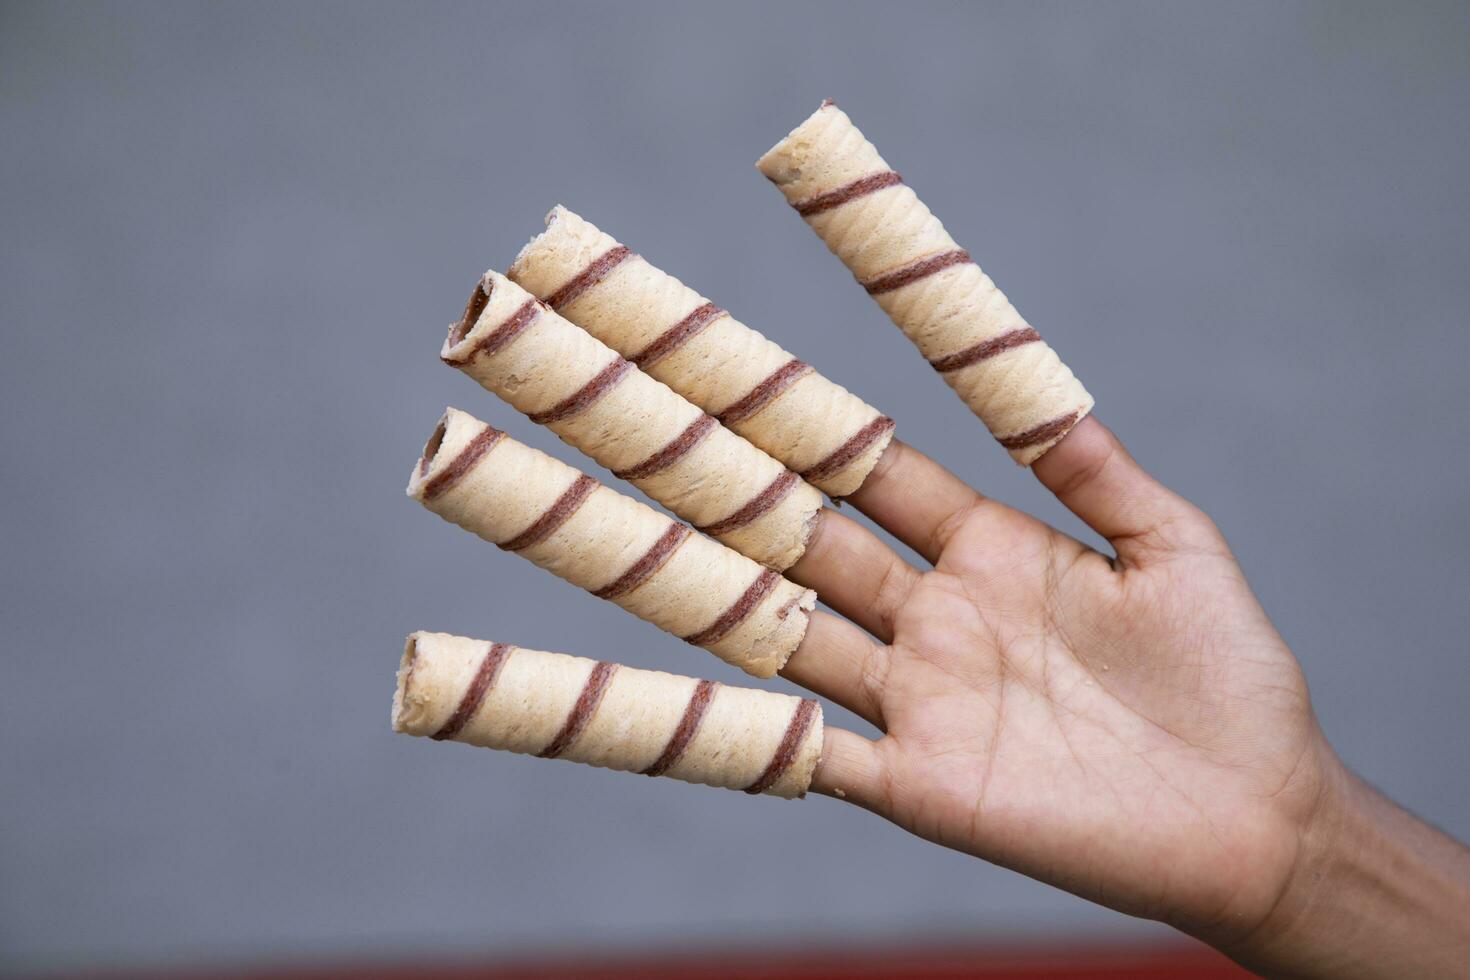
(231, 239)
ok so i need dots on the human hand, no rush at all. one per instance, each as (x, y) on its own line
(1131, 728)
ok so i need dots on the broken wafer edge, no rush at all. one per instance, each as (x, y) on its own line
(929, 286)
(830, 437)
(553, 705)
(561, 376)
(615, 547)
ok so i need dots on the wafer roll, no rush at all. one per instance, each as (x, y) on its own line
(557, 706)
(817, 428)
(565, 378)
(613, 546)
(900, 253)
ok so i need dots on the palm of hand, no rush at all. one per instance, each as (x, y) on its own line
(1112, 729)
(1133, 730)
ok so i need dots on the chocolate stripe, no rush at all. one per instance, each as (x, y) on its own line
(484, 680)
(849, 450)
(582, 711)
(673, 338)
(742, 607)
(461, 464)
(986, 349)
(499, 338)
(912, 273)
(589, 277)
(584, 396)
(847, 192)
(652, 560)
(699, 701)
(762, 394)
(801, 722)
(556, 515)
(681, 444)
(1044, 432)
(758, 505)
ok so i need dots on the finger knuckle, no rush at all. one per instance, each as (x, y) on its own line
(893, 589)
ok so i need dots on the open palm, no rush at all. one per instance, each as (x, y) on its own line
(1128, 727)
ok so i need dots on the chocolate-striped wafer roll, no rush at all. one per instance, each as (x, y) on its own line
(603, 714)
(817, 428)
(611, 545)
(565, 378)
(900, 253)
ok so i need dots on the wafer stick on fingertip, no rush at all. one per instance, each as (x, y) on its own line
(659, 569)
(823, 432)
(557, 706)
(563, 377)
(929, 286)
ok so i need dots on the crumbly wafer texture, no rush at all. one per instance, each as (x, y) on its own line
(929, 286)
(657, 568)
(589, 395)
(558, 706)
(817, 428)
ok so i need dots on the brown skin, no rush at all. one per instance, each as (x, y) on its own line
(1131, 728)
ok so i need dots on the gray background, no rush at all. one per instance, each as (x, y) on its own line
(232, 237)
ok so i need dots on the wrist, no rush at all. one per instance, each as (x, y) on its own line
(1287, 938)
(1373, 892)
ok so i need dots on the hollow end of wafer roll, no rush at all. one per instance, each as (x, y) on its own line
(475, 325)
(461, 328)
(431, 680)
(432, 445)
(404, 710)
(454, 431)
